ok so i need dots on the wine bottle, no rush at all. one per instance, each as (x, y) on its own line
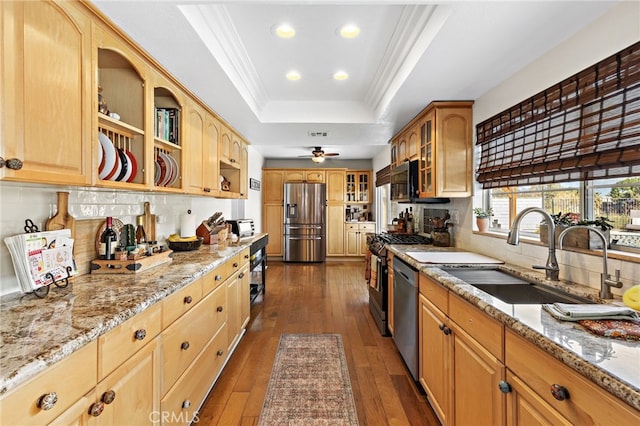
(409, 216)
(108, 241)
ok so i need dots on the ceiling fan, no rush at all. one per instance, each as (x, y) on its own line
(318, 155)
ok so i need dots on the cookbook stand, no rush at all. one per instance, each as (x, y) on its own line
(43, 291)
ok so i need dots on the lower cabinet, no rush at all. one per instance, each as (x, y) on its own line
(355, 238)
(544, 390)
(459, 372)
(390, 291)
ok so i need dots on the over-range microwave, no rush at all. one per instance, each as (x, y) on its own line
(405, 187)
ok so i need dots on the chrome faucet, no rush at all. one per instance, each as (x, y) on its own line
(605, 279)
(552, 271)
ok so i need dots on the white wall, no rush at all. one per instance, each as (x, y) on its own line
(617, 29)
(21, 201)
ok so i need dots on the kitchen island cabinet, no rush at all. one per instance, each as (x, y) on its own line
(156, 340)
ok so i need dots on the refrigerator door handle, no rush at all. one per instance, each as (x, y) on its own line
(304, 227)
(304, 238)
(292, 210)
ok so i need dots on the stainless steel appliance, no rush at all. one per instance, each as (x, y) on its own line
(405, 185)
(379, 290)
(258, 267)
(242, 227)
(405, 313)
(304, 222)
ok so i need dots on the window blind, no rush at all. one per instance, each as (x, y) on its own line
(585, 127)
(383, 176)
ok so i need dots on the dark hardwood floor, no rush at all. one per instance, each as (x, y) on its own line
(318, 298)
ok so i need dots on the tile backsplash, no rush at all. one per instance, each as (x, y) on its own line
(38, 203)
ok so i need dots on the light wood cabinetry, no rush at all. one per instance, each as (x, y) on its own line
(390, 277)
(459, 345)
(293, 175)
(272, 186)
(335, 180)
(45, 114)
(66, 382)
(358, 189)
(355, 237)
(272, 209)
(532, 376)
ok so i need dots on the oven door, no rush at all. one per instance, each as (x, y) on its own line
(378, 291)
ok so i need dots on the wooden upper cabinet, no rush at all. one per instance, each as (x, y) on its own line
(236, 150)
(46, 70)
(244, 171)
(413, 144)
(194, 140)
(272, 186)
(358, 186)
(402, 149)
(224, 149)
(316, 176)
(394, 153)
(211, 166)
(294, 175)
(335, 185)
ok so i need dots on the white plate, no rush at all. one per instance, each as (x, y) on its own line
(166, 164)
(110, 157)
(156, 178)
(116, 169)
(100, 156)
(129, 168)
(176, 170)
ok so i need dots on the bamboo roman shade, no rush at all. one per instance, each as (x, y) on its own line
(383, 176)
(585, 127)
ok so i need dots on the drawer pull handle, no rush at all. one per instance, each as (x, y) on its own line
(559, 392)
(188, 299)
(186, 403)
(241, 275)
(220, 352)
(184, 346)
(504, 386)
(11, 163)
(246, 256)
(47, 401)
(206, 189)
(108, 397)
(218, 277)
(140, 334)
(219, 309)
(235, 264)
(96, 409)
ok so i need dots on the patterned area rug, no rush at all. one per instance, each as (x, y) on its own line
(309, 383)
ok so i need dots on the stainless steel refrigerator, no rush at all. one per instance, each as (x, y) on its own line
(304, 222)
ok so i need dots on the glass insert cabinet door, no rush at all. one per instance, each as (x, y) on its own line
(426, 171)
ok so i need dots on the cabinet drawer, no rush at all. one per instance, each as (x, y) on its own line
(243, 257)
(487, 331)
(351, 227)
(174, 306)
(587, 402)
(367, 227)
(70, 379)
(216, 277)
(184, 399)
(436, 293)
(123, 341)
(186, 337)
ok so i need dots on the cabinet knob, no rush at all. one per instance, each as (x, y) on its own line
(218, 277)
(140, 334)
(184, 346)
(206, 189)
(246, 256)
(47, 401)
(96, 409)
(233, 160)
(235, 264)
(559, 392)
(220, 352)
(504, 386)
(11, 163)
(186, 403)
(241, 275)
(446, 330)
(108, 397)
(219, 309)
(188, 299)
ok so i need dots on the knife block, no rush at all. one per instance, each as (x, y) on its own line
(210, 235)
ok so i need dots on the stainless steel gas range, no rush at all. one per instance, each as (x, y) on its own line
(379, 284)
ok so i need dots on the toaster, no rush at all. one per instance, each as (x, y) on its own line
(242, 227)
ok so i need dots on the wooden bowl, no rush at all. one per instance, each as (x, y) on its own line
(185, 245)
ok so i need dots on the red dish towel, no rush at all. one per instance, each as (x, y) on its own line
(617, 329)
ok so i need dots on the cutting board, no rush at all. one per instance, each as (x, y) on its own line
(149, 222)
(62, 219)
(451, 257)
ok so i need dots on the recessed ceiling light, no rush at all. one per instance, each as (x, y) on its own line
(350, 31)
(284, 31)
(293, 75)
(340, 75)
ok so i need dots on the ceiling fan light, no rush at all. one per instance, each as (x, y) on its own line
(293, 75)
(349, 31)
(317, 159)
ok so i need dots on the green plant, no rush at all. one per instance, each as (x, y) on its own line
(482, 213)
(604, 223)
(571, 219)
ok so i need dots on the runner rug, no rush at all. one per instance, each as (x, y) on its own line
(309, 383)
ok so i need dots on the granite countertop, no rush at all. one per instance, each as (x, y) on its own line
(36, 333)
(610, 363)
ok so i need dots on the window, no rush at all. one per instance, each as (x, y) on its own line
(618, 200)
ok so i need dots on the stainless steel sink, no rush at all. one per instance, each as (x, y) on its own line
(513, 289)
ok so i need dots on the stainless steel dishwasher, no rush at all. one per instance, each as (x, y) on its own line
(405, 313)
